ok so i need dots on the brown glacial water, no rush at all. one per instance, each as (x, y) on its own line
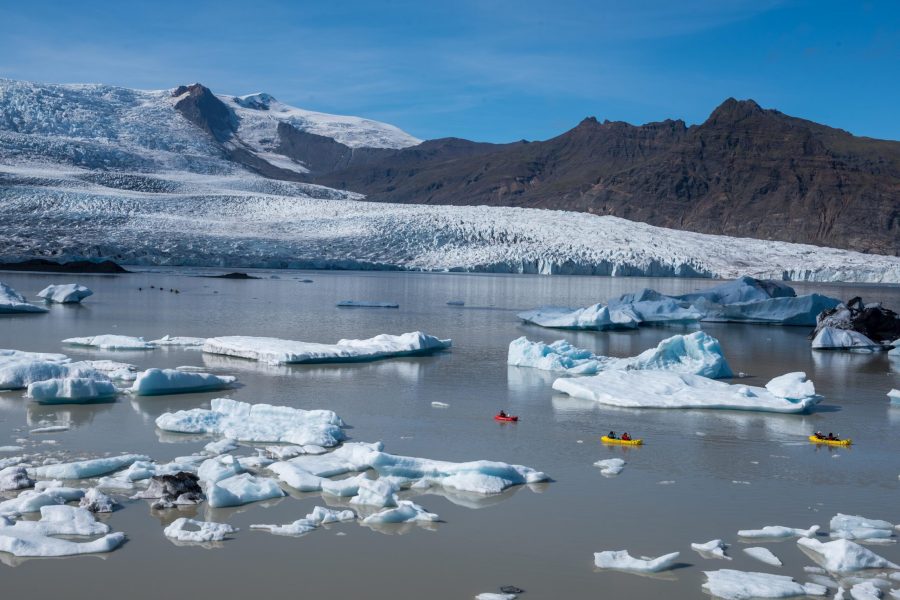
(701, 474)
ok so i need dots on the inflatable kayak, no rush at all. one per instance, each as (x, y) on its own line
(609, 440)
(506, 419)
(816, 440)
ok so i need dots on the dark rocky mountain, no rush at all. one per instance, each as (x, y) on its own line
(745, 171)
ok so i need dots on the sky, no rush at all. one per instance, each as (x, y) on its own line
(485, 70)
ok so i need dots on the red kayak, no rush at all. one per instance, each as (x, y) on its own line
(507, 419)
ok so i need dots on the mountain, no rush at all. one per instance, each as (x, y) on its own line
(745, 171)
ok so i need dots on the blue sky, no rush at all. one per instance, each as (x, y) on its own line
(485, 70)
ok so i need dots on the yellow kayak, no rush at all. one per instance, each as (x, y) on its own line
(816, 440)
(609, 440)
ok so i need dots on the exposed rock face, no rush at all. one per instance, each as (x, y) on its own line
(201, 107)
(745, 171)
(874, 321)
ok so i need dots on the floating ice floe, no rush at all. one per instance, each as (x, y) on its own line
(84, 469)
(621, 560)
(279, 351)
(610, 466)
(712, 549)
(242, 489)
(68, 293)
(36, 538)
(50, 429)
(697, 353)
(115, 370)
(12, 301)
(763, 555)
(221, 446)
(851, 527)
(376, 492)
(71, 390)
(201, 532)
(791, 393)
(495, 596)
(32, 500)
(844, 556)
(894, 394)
(18, 372)
(257, 423)
(96, 501)
(596, 317)
(865, 590)
(319, 516)
(14, 478)
(365, 304)
(405, 512)
(156, 382)
(829, 338)
(799, 310)
(179, 341)
(445, 405)
(111, 342)
(219, 468)
(729, 584)
(778, 532)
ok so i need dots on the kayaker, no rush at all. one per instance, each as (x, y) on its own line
(502, 414)
(626, 437)
(819, 435)
(831, 437)
(612, 435)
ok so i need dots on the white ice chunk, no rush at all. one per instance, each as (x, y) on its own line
(558, 356)
(84, 469)
(34, 538)
(154, 382)
(664, 389)
(257, 423)
(366, 304)
(712, 549)
(19, 373)
(622, 561)
(96, 501)
(279, 351)
(219, 468)
(242, 489)
(32, 500)
(495, 596)
(296, 477)
(610, 466)
(12, 301)
(792, 386)
(14, 478)
(778, 531)
(405, 512)
(179, 340)
(844, 556)
(343, 488)
(866, 590)
(319, 516)
(59, 519)
(697, 353)
(221, 446)
(800, 310)
(65, 293)
(894, 395)
(206, 531)
(830, 338)
(728, 584)
(71, 390)
(764, 555)
(595, 317)
(111, 342)
(859, 528)
(379, 492)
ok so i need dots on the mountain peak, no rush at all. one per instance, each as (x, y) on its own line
(733, 110)
(258, 101)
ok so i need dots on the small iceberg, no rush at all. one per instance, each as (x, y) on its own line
(37, 538)
(168, 341)
(278, 351)
(318, 517)
(829, 338)
(850, 527)
(111, 342)
(71, 390)
(14, 478)
(621, 560)
(729, 584)
(712, 549)
(12, 301)
(405, 512)
(790, 393)
(365, 304)
(843, 556)
(32, 500)
(156, 382)
(763, 555)
(197, 532)
(894, 394)
(596, 317)
(85, 469)
(69, 293)
(778, 532)
(242, 489)
(96, 501)
(257, 423)
(610, 466)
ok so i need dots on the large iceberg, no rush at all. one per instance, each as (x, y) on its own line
(843, 556)
(729, 584)
(111, 342)
(257, 423)
(799, 310)
(871, 321)
(742, 289)
(71, 390)
(665, 389)
(621, 560)
(697, 353)
(155, 382)
(68, 293)
(279, 351)
(36, 538)
(12, 301)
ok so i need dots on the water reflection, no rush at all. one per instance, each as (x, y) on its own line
(408, 369)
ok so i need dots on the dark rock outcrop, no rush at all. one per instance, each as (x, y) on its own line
(75, 266)
(874, 321)
(174, 490)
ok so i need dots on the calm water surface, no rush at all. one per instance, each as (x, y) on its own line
(723, 471)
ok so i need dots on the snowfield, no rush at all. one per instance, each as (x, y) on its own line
(188, 219)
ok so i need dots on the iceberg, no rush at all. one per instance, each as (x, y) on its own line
(257, 423)
(558, 356)
(221, 467)
(495, 596)
(843, 556)
(179, 341)
(711, 549)
(728, 584)
(353, 456)
(242, 489)
(365, 304)
(665, 389)
(84, 469)
(778, 531)
(405, 512)
(376, 492)
(894, 394)
(14, 478)
(204, 532)
(829, 338)
(178, 489)
(799, 310)
(111, 342)
(622, 561)
(763, 555)
(319, 516)
(278, 351)
(851, 527)
(742, 289)
(35, 538)
(221, 446)
(71, 390)
(69, 293)
(155, 382)
(96, 501)
(610, 466)
(19, 373)
(596, 317)
(296, 477)
(12, 301)
(32, 500)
